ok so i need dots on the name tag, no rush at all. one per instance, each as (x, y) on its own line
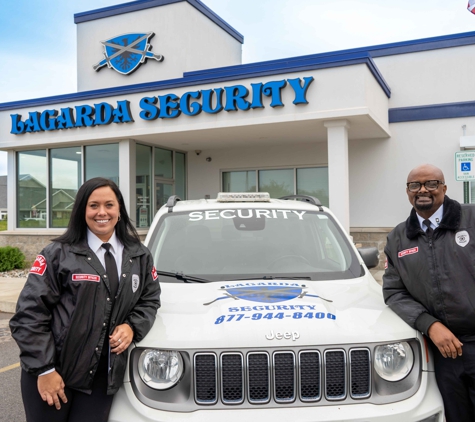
(86, 277)
(408, 252)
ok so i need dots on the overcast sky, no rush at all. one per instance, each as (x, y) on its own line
(38, 37)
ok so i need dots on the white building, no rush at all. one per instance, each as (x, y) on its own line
(344, 126)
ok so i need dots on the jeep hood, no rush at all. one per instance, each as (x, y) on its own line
(276, 313)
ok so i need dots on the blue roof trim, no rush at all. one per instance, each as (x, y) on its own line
(446, 41)
(134, 6)
(216, 19)
(432, 112)
(195, 80)
(291, 65)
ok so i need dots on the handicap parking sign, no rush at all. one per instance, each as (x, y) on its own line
(464, 171)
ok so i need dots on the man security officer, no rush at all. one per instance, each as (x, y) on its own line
(430, 283)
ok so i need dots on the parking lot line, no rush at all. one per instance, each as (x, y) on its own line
(7, 368)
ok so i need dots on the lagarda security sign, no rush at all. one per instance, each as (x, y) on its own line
(464, 166)
(168, 106)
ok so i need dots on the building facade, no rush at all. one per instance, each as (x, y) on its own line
(163, 112)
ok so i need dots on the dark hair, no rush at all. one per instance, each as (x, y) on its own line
(77, 227)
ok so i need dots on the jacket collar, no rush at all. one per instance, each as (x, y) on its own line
(450, 219)
(82, 248)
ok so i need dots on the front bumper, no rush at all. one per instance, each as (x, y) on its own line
(422, 405)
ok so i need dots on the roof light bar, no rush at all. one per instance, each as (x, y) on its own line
(243, 197)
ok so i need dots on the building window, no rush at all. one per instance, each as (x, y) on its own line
(48, 181)
(142, 184)
(102, 161)
(163, 163)
(66, 177)
(180, 174)
(312, 181)
(163, 171)
(277, 182)
(32, 180)
(239, 181)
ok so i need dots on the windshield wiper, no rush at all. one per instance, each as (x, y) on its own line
(269, 277)
(183, 277)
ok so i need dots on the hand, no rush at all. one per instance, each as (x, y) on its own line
(448, 345)
(121, 338)
(51, 389)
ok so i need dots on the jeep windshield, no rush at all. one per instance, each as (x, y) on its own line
(238, 243)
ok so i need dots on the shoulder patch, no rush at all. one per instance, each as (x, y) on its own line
(154, 273)
(39, 266)
(409, 251)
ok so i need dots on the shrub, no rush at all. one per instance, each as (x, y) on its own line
(11, 258)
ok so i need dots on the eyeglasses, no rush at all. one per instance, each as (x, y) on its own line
(430, 185)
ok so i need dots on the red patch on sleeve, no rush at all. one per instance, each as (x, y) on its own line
(386, 264)
(154, 273)
(86, 277)
(39, 266)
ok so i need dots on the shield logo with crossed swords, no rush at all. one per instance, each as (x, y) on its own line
(265, 294)
(125, 53)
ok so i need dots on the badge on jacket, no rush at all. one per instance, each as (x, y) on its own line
(462, 238)
(135, 282)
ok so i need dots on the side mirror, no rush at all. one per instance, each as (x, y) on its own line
(370, 256)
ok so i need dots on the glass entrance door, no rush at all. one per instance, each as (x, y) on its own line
(163, 191)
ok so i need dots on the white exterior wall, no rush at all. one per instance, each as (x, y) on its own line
(379, 168)
(205, 177)
(430, 77)
(183, 35)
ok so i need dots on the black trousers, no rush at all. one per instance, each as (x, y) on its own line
(80, 406)
(456, 381)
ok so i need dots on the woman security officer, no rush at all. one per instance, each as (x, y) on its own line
(90, 292)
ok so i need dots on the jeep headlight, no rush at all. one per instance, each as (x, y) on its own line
(393, 362)
(160, 369)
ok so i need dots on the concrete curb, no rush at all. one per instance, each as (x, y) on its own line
(10, 289)
(7, 307)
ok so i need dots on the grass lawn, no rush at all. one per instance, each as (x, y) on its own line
(3, 225)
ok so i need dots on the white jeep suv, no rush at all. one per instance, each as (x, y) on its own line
(270, 313)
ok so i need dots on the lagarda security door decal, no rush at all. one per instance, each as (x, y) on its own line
(269, 293)
(462, 238)
(125, 53)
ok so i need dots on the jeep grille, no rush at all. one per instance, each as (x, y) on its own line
(282, 376)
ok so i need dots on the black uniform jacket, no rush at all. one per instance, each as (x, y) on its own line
(63, 315)
(429, 280)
